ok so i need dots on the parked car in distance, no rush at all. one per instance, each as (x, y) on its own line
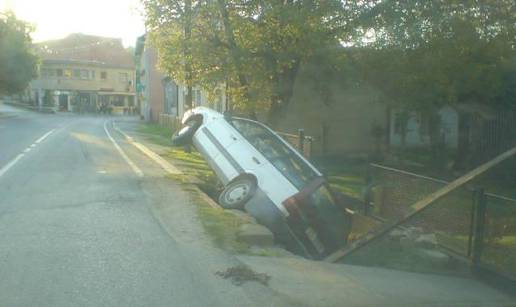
(267, 177)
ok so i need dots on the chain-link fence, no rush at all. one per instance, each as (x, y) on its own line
(468, 223)
(499, 235)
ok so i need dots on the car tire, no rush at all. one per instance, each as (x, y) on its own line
(237, 193)
(184, 136)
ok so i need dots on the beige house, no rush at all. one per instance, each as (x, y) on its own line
(342, 118)
(83, 73)
(160, 95)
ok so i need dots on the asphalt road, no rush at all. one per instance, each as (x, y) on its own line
(83, 223)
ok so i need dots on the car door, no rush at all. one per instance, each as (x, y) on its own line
(253, 149)
(212, 140)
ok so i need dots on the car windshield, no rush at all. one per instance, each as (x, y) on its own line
(297, 171)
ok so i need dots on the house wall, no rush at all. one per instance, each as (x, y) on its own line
(96, 83)
(159, 94)
(154, 85)
(201, 98)
(342, 125)
(416, 135)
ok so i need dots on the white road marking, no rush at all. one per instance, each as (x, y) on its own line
(4, 169)
(169, 168)
(44, 136)
(122, 153)
(9, 165)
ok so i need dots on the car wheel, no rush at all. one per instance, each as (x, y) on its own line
(237, 193)
(184, 136)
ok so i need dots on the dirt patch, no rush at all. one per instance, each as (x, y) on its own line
(241, 273)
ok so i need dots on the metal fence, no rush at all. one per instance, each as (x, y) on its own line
(469, 223)
(300, 141)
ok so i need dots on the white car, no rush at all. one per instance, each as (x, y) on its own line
(268, 178)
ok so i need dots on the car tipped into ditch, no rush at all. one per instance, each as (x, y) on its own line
(265, 176)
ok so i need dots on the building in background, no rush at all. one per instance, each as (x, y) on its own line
(341, 119)
(418, 128)
(84, 73)
(158, 94)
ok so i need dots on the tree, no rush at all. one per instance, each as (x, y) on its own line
(426, 54)
(255, 47)
(18, 63)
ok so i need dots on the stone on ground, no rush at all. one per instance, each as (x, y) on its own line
(255, 234)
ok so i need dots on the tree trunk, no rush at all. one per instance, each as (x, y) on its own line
(233, 48)
(280, 100)
(187, 53)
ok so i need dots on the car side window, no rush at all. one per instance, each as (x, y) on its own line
(274, 150)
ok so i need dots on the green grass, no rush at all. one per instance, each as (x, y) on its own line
(156, 133)
(221, 226)
(501, 254)
(195, 166)
(155, 129)
(346, 176)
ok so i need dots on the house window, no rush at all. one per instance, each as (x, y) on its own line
(68, 73)
(103, 75)
(76, 73)
(123, 77)
(398, 123)
(85, 74)
(59, 72)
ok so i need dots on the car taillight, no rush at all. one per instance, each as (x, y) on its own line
(292, 206)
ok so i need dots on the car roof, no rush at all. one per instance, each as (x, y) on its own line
(206, 111)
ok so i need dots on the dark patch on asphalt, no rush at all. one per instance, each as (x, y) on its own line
(241, 273)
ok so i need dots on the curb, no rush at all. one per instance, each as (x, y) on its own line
(290, 301)
(167, 166)
(45, 110)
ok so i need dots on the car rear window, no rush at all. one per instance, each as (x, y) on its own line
(330, 222)
(273, 149)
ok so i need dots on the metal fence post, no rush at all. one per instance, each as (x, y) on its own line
(368, 190)
(301, 141)
(478, 228)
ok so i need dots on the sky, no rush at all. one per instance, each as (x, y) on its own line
(56, 19)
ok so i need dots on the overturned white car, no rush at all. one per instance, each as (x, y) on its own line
(268, 178)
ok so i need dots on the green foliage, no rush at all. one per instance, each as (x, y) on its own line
(424, 54)
(420, 54)
(254, 47)
(18, 64)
